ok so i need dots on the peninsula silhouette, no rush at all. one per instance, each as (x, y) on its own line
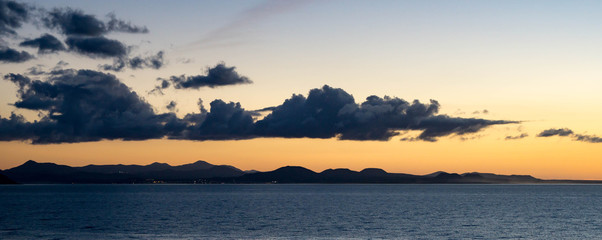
(32, 172)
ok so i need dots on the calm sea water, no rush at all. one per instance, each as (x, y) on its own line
(301, 211)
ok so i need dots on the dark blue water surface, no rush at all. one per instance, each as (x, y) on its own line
(301, 211)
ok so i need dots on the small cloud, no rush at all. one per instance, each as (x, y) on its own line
(217, 76)
(118, 25)
(97, 47)
(36, 70)
(185, 60)
(60, 65)
(555, 132)
(565, 132)
(45, 44)
(523, 135)
(485, 111)
(154, 62)
(588, 138)
(171, 106)
(9, 55)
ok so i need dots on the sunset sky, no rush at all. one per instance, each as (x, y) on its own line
(507, 87)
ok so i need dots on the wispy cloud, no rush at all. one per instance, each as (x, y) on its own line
(565, 132)
(231, 32)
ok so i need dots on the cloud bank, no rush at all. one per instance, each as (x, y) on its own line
(86, 105)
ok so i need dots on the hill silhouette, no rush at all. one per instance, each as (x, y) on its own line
(204, 172)
(34, 172)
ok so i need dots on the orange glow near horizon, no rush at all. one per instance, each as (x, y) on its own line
(553, 158)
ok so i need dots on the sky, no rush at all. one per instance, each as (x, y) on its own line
(507, 87)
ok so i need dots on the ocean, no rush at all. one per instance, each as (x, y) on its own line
(300, 211)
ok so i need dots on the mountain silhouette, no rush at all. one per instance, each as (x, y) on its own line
(204, 172)
(295, 174)
(34, 172)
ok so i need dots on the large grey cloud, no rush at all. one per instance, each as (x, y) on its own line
(565, 132)
(80, 106)
(217, 76)
(75, 22)
(331, 112)
(223, 121)
(12, 16)
(87, 105)
(45, 44)
(97, 47)
(9, 55)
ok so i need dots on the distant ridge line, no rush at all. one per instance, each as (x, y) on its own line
(204, 172)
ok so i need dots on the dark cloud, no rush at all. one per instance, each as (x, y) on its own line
(81, 106)
(439, 126)
(316, 116)
(217, 76)
(45, 44)
(9, 55)
(87, 105)
(118, 25)
(331, 112)
(159, 88)
(171, 106)
(12, 16)
(224, 121)
(97, 47)
(75, 22)
(21, 81)
(154, 61)
(16, 128)
(563, 132)
(36, 70)
(523, 135)
(588, 138)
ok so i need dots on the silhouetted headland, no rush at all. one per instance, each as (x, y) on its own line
(5, 179)
(204, 172)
